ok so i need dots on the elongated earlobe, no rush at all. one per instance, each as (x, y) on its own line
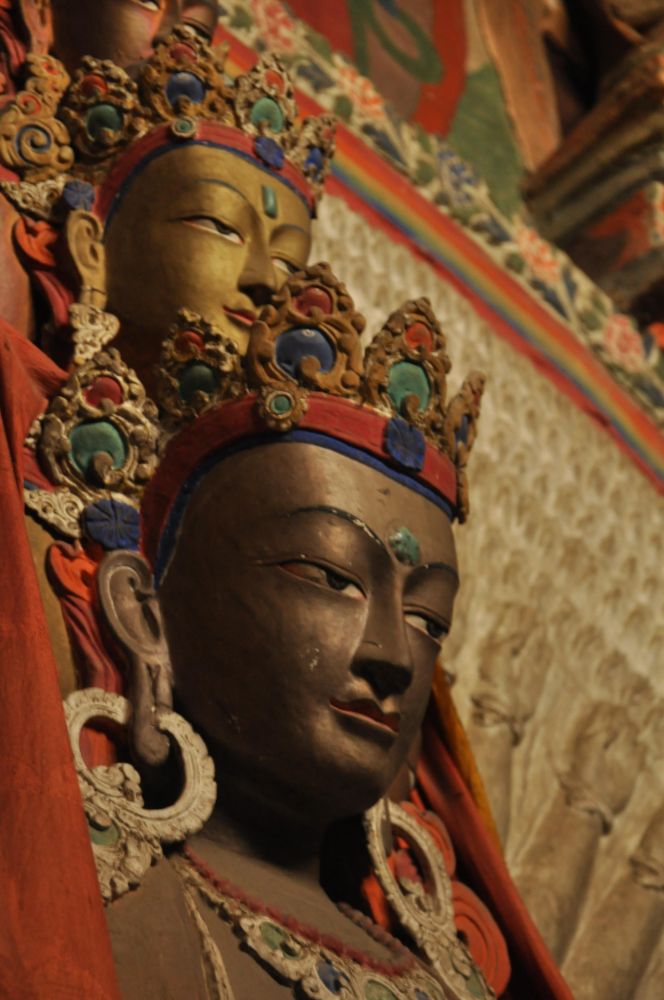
(131, 610)
(84, 234)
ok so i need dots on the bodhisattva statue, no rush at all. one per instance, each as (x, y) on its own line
(267, 547)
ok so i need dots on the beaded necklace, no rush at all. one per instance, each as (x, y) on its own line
(404, 959)
(316, 964)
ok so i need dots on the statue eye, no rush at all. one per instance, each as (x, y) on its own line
(150, 4)
(286, 266)
(326, 577)
(425, 623)
(215, 226)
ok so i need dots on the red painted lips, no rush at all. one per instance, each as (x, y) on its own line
(367, 709)
(244, 316)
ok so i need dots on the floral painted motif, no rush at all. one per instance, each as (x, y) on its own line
(539, 255)
(623, 343)
(275, 25)
(361, 91)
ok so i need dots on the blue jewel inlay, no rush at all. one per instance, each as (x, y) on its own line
(269, 151)
(314, 159)
(114, 525)
(405, 444)
(333, 979)
(461, 433)
(185, 85)
(78, 194)
(293, 346)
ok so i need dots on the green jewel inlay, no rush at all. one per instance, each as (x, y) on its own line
(270, 204)
(405, 546)
(475, 985)
(103, 836)
(281, 404)
(184, 128)
(273, 935)
(101, 119)
(407, 379)
(88, 440)
(267, 110)
(198, 377)
(377, 991)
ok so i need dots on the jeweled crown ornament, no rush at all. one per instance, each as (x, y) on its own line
(305, 373)
(305, 376)
(79, 128)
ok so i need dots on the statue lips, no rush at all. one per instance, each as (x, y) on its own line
(245, 317)
(365, 708)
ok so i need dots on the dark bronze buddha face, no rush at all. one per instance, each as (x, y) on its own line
(304, 606)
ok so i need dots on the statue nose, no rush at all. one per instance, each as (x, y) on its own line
(259, 294)
(384, 676)
(258, 279)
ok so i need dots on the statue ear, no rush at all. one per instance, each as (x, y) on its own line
(132, 613)
(84, 233)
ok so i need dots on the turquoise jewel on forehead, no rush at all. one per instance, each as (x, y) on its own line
(405, 546)
(270, 204)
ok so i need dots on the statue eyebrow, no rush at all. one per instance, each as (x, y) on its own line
(446, 567)
(220, 183)
(290, 225)
(345, 516)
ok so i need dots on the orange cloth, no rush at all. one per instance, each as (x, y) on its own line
(53, 937)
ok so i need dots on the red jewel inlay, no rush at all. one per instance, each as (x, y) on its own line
(189, 338)
(419, 335)
(31, 105)
(182, 53)
(103, 388)
(314, 298)
(274, 80)
(93, 83)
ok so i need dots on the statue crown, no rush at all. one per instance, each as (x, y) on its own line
(80, 127)
(103, 444)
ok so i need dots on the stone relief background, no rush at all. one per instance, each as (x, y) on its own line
(557, 649)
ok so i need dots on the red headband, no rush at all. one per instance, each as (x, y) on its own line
(359, 427)
(163, 139)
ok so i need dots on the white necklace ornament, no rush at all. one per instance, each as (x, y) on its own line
(311, 964)
(425, 908)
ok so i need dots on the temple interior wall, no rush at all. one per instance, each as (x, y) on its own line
(557, 648)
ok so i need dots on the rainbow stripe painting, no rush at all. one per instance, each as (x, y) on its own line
(374, 189)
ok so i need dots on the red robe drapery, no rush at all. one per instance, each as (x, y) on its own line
(53, 938)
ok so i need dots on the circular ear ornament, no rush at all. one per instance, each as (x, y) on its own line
(127, 837)
(424, 906)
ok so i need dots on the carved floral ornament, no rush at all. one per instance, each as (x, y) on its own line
(80, 127)
(102, 439)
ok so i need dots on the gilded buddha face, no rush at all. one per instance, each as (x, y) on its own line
(199, 227)
(304, 607)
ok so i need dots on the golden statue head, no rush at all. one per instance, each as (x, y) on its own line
(182, 189)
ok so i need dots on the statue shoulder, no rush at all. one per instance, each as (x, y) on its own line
(155, 941)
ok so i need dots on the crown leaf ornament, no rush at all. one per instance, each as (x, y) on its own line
(81, 127)
(102, 439)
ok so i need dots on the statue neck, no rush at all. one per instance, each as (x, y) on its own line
(258, 829)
